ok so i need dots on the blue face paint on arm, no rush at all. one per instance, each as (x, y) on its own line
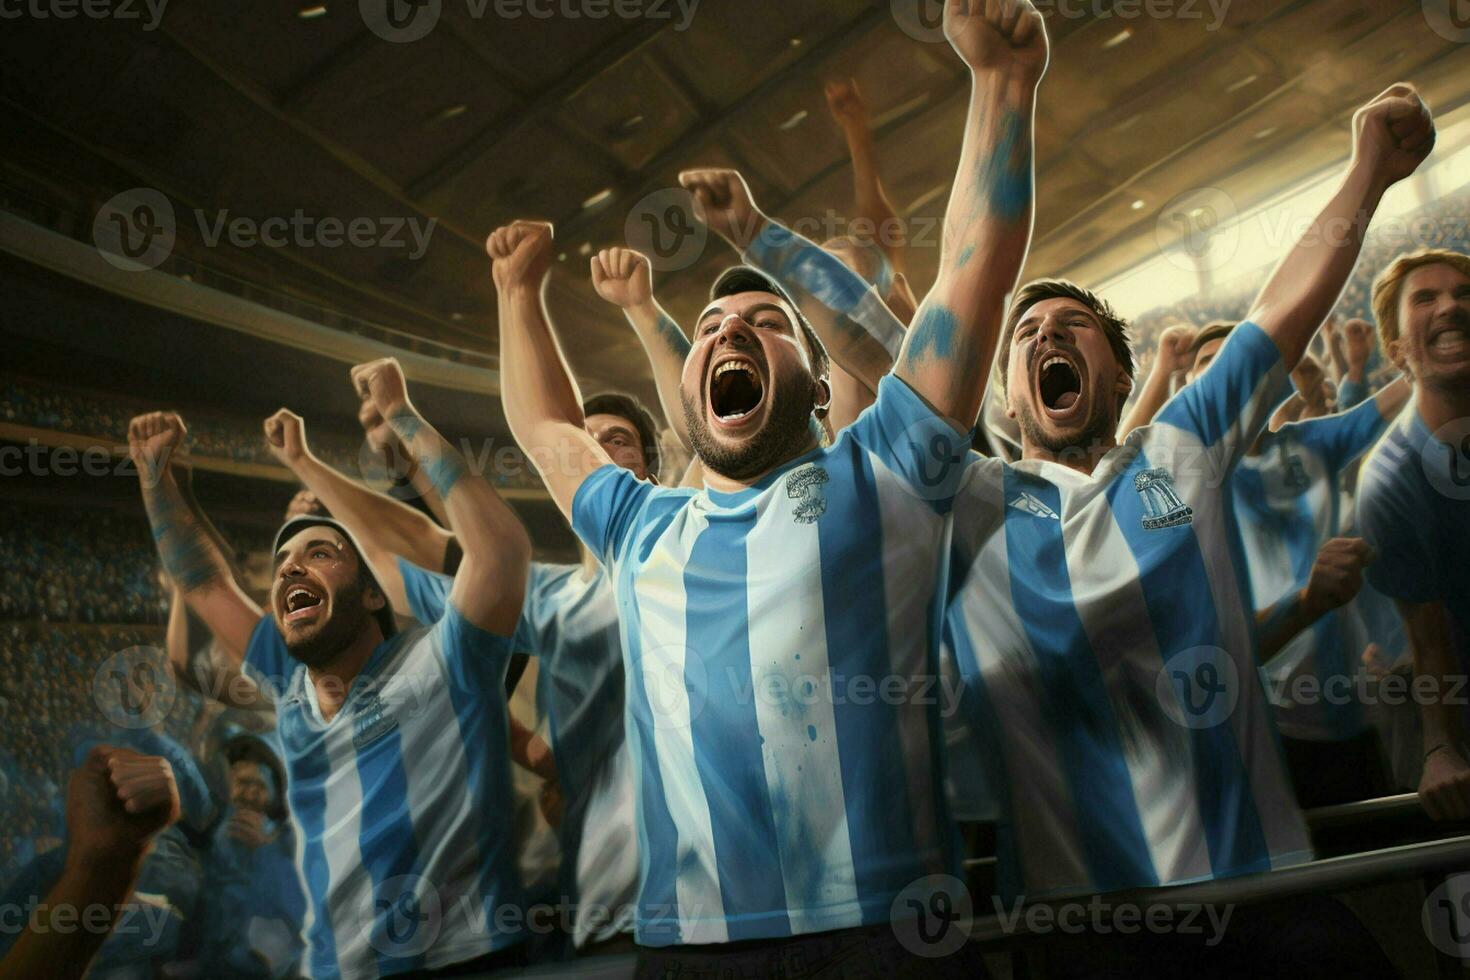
(672, 335)
(1005, 178)
(933, 334)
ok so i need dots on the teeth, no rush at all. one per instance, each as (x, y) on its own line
(295, 594)
(1053, 360)
(729, 366)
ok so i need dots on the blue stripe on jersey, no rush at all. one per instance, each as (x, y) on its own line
(871, 748)
(308, 779)
(1177, 593)
(385, 841)
(1209, 410)
(1010, 879)
(1088, 745)
(732, 771)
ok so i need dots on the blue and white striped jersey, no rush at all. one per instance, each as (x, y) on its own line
(402, 802)
(1287, 505)
(569, 622)
(1104, 632)
(780, 646)
(1414, 508)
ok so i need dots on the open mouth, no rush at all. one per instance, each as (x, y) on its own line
(1451, 343)
(1058, 383)
(300, 603)
(735, 390)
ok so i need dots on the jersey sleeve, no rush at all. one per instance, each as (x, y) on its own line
(606, 509)
(267, 661)
(1228, 406)
(477, 658)
(427, 591)
(914, 442)
(1339, 439)
(1350, 393)
(1406, 564)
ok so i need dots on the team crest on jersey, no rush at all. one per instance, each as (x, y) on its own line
(371, 721)
(1296, 474)
(1029, 504)
(1162, 506)
(805, 487)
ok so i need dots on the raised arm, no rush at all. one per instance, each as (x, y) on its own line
(848, 107)
(947, 353)
(624, 278)
(191, 557)
(1391, 136)
(1336, 577)
(858, 330)
(490, 585)
(542, 404)
(1173, 356)
(386, 528)
(1444, 785)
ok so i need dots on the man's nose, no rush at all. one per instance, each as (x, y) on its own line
(734, 330)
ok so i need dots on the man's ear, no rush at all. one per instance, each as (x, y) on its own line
(373, 598)
(1396, 355)
(823, 399)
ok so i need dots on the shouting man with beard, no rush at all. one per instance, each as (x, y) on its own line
(1102, 623)
(395, 743)
(779, 624)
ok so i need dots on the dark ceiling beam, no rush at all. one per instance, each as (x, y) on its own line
(320, 76)
(569, 226)
(537, 108)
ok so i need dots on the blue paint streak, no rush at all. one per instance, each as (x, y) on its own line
(933, 334)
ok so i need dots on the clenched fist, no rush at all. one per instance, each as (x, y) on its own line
(622, 277)
(998, 36)
(1444, 786)
(116, 801)
(1393, 134)
(722, 201)
(380, 384)
(846, 104)
(520, 254)
(154, 439)
(285, 435)
(1174, 344)
(1337, 574)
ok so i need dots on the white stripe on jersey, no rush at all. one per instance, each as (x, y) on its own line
(350, 886)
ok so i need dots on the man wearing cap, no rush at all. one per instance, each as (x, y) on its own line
(395, 744)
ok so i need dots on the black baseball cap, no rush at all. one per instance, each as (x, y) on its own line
(386, 621)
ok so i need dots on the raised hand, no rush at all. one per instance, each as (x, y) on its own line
(998, 36)
(116, 801)
(1444, 786)
(722, 200)
(154, 438)
(623, 277)
(846, 104)
(1174, 342)
(1357, 344)
(380, 384)
(520, 254)
(285, 436)
(1337, 574)
(1393, 134)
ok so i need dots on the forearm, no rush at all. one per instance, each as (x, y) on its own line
(849, 316)
(190, 556)
(176, 634)
(87, 894)
(378, 521)
(1428, 631)
(667, 348)
(1277, 625)
(872, 201)
(536, 385)
(1339, 358)
(1155, 392)
(1306, 285)
(947, 353)
(491, 578)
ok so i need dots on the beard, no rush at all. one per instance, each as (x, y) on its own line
(785, 434)
(340, 630)
(1097, 429)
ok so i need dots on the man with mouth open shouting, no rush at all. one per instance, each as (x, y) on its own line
(395, 743)
(776, 622)
(1102, 623)
(1414, 501)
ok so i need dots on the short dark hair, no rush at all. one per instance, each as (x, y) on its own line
(250, 748)
(1039, 290)
(744, 279)
(1215, 330)
(625, 406)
